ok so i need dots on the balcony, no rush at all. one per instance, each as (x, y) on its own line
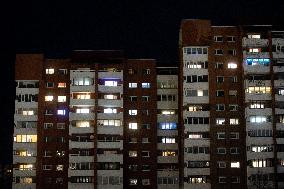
(28, 131)
(196, 99)
(257, 96)
(257, 83)
(80, 172)
(196, 113)
(197, 186)
(256, 170)
(110, 172)
(196, 157)
(167, 118)
(110, 130)
(24, 159)
(75, 144)
(26, 104)
(110, 89)
(278, 55)
(82, 101)
(82, 88)
(167, 104)
(20, 117)
(196, 85)
(167, 159)
(118, 144)
(82, 73)
(256, 55)
(259, 155)
(196, 142)
(279, 97)
(278, 68)
(259, 140)
(265, 111)
(167, 132)
(256, 69)
(279, 111)
(253, 42)
(195, 71)
(73, 159)
(253, 126)
(196, 171)
(24, 186)
(82, 185)
(110, 103)
(81, 116)
(110, 116)
(107, 75)
(167, 146)
(195, 57)
(280, 140)
(27, 90)
(110, 158)
(24, 173)
(25, 145)
(81, 129)
(196, 127)
(279, 83)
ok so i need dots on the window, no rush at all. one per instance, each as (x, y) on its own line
(234, 150)
(145, 126)
(221, 150)
(82, 110)
(25, 138)
(133, 167)
(233, 92)
(235, 179)
(62, 71)
(168, 112)
(234, 135)
(218, 38)
(133, 140)
(222, 179)
(82, 124)
(110, 97)
(254, 50)
(145, 98)
(133, 181)
(254, 36)
(83, 81)
(61, 98)
(132, 126)
(259, 90)
(60, 125)
(218, 52)
(235, 164)
(145, 140)
(231, 38)
(232, 52)
(145, 181)
(61, 112)
(145, 85)
(61, 85)
(195, 50)
(109, 122)
(49, 71)
(48, 98)
(220, 93)
(220, 79)
(146, 168)
(132, 85)
(83, 96)
(146, 71)
(49, 84)
(196, 92)
(131, 71)
(233, 107)
(133, 98)
(221, 164)
(234, 121)
(169, 153)
(196, 120)
(196, 65)
(256, 105)
(168, 126)
(46, 167)
(232, 65)
(258, 119)
(220, 121)
(47, 125)
(145, 153)
(197, 150)
(132, 112)
(221, 135)
(59, 167)
(220, 107)
(233, 79)
(168, 140)
(219, 65)
(132, 153)
(111, 83)
(110, 111)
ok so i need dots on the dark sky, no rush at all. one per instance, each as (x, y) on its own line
(142, 29)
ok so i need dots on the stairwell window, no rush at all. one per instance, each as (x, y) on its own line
(145, 85)
(132, 85)
(133, 126)
(49, 71)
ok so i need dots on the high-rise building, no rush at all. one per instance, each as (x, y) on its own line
(100, 120)
(90, 121)
(231, 105)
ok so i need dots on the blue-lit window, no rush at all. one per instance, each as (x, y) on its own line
(61, 112)
(170, 126)
(258, 61)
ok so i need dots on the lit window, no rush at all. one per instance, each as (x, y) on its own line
(61, 112)
(168, 112)
(259, 90)
(220, 121)
(232, 65)
(168, 140)
(83, 110)
(26, 167)
(110, 83)
(49, 71)
(168, 126)
(28, 112)
(257, 119)
(110, 97)
(254, 50)
(82, 124)
(132, 153)
(132, 125)
(48, 98)
(132, 85)
(132, 112)
(110, 111)
(195, 136)
(234, 121)
(109, 122)
(59, 167)
(25, 138)
(61, 98)
(254, 36)
(169, 153)
(145, 85)
(235, 164)
(133, 181)
(85, 81)
(61, 85)
(83, 96)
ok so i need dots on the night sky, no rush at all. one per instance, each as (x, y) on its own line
(143, 30)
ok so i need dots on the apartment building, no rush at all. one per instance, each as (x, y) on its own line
(231, 81)
(94, 121)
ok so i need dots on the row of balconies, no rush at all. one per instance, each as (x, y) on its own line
(101, 88)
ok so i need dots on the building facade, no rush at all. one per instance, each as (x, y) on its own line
(230, 85)
(100, 120)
